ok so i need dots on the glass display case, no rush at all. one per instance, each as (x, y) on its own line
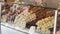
(23, 16)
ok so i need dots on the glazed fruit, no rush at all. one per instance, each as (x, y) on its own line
(45, 24)
(24, 18)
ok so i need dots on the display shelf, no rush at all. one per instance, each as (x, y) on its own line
(16, 28)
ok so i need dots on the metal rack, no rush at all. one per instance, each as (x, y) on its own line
(55, 21)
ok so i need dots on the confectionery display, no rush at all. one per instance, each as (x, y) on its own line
(27, 16)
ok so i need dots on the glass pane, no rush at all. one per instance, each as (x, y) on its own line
(24, 17)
